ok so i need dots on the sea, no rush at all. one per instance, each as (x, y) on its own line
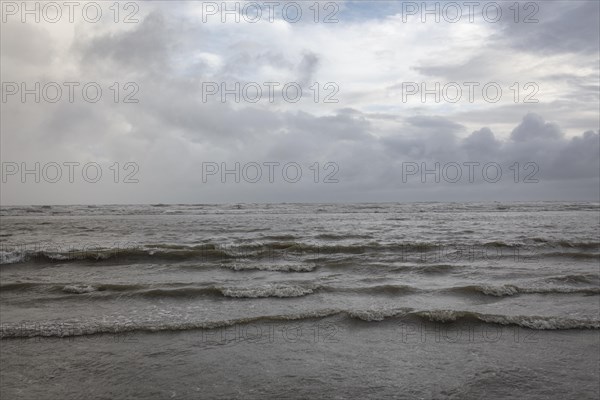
(301, 301)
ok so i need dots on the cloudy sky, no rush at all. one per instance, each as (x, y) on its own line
(381, 102)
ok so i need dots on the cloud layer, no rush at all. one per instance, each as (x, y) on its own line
(360, 130)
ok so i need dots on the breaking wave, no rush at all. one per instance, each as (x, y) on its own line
(79, 328)
(511, 290)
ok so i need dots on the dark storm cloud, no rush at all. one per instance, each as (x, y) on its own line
(532, 140)
(307, 68)
(533, 127)
(482, 143)
(563, 27)
(143, 49)
(578, 158)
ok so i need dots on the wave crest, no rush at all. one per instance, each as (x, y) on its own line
(78, 328)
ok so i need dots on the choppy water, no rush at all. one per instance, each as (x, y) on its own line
(423, 300)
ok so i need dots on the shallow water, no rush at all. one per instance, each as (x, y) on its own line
(425, 300)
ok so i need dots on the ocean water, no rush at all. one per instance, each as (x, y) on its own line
(422, 300)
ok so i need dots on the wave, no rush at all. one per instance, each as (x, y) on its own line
(12, 257)
(592, 279)
(271, 267)
(452, 316)
(281, 247)
(579, 245)
(355, 248)
(511, 290)
(185, 290)
(70, 288)
(78, 289)
(207, 252)
(284, 290)
(281, 291)
(79, 328)
(161, 252)
(267, 291)
(57, 329)
(531, 322)
(166, 290)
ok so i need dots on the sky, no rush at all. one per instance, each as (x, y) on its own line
(346, 101)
